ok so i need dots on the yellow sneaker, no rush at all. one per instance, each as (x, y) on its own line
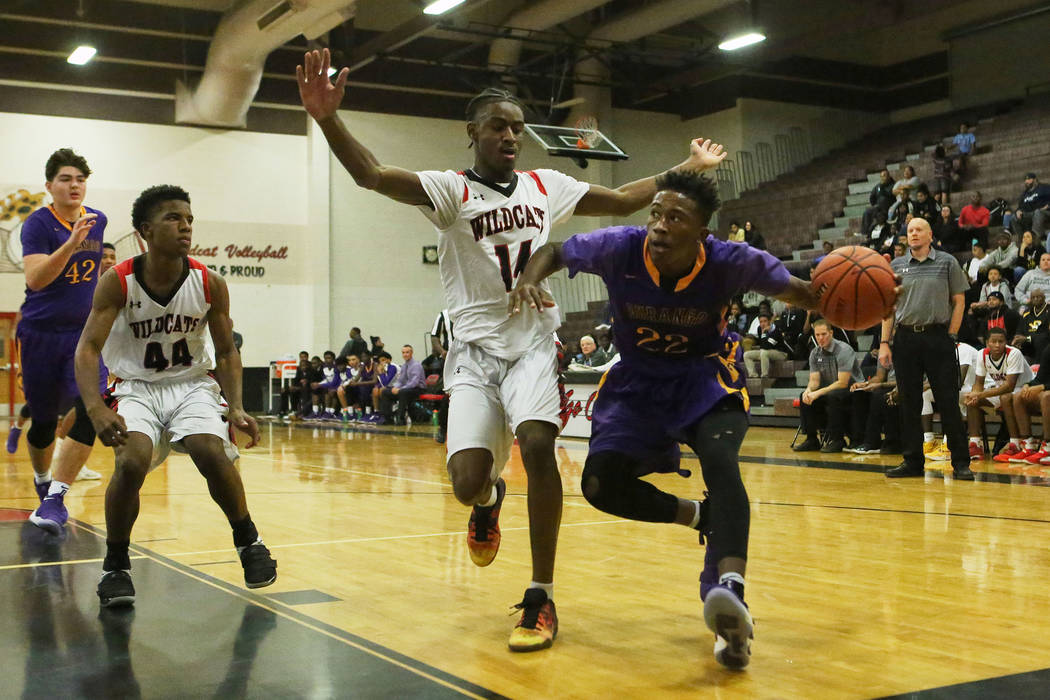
(931, 445)
(940, 453)
(483, 535)
(538, 625)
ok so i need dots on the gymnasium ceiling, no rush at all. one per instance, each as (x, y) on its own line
(864, 54)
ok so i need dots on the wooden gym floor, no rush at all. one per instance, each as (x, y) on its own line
(861, 587)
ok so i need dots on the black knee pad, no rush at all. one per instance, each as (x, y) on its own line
(611, 483)
(82, 430)
(41, 433)
(603, 480)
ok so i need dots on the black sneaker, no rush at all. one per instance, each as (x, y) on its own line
(260, 569)
(808, 445)
(833, 446)
(115, 589)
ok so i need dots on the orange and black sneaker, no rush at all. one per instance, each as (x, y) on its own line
(538, 625)
(483, 529)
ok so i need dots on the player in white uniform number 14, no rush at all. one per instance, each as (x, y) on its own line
(501, 372)
(150, 320)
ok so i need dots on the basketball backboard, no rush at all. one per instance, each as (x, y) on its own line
(569, 142)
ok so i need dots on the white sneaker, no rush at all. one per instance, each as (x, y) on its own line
(730, 620)
(86, 474)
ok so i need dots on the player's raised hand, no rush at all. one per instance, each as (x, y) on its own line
(319, 95)
(705, 155)
(82, 228)
(531, 295)
(246, 424)
(109, 426)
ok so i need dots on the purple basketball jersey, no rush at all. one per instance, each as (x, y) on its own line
(64, 304)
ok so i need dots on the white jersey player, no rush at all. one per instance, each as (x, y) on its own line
(151, 319)
(1001, 371)
(501, 372)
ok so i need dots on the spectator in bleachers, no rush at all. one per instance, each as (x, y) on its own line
(1033, 331)
(947, 233)
(327, 390)
(764, 307)
(769, 345)
(1038, 278)
(354, 394)
(355, 345)
(1001, 371)
(590, 354)
(880, 200)
(907, 182)
(826, 249)
(1033, 209)
(898, 249)
(605, 344)
(994, 283)
(1034, 396)
(833, 367)
(942, 175)
(902, 210)
(753, 237)
(925, 206)
(385, 372)
(964, 143)
(736, 319)
(874, 413)
(973, 220)
(996, 314)
(1028, 255)
(999, 213)
(405, 388)
(791, 322)
(1003, 256)
(736, 234)
(881, 235)
(973, 268)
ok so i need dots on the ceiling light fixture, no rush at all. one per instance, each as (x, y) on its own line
(438, 7)
(739, 42)
(81, 55)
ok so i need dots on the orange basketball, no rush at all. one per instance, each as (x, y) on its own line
(856, 286)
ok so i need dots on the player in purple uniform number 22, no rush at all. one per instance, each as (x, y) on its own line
(163, 217)
(680, 378)
(61, 253)
(493, 393)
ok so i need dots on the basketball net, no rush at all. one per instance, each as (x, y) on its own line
(587, 132)
(129, 245)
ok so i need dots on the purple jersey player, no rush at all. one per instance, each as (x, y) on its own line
(680, 378)
(62, 253)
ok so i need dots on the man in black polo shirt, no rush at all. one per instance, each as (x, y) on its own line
(920, 340)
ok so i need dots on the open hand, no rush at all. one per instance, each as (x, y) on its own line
(319, 95)
(704, 155)
(531, 295)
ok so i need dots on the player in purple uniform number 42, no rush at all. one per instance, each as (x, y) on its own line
(61, 253)
(680, 378)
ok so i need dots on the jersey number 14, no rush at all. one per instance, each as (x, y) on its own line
(155, 359)
(505, 270)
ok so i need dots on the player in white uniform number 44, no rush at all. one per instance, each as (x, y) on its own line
(149, 320)
(501, 372)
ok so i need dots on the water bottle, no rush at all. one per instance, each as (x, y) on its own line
(434, 419)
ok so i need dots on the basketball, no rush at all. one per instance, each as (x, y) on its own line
(856, 286)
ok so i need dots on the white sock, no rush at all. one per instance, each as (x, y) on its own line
(493, 497)
(315, 408)
(42, 478)
(57, 488)
(927, 437)
(696, 515)
(548, 588)
(975, 441)
(730, 576)
(1031, 444)
(1015, 441)
(258, 540)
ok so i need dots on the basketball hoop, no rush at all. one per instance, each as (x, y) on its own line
(587, 135)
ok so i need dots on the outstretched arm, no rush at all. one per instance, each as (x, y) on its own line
(321, 99)
(799, 293)
(106, 304)
(544, 263)
(629, 198)
(228, 367)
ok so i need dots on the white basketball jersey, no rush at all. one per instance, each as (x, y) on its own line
(486, 234)
(159, 340)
